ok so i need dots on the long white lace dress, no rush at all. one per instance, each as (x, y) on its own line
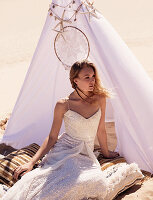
(70, 171)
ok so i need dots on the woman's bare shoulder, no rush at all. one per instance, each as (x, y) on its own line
(61, 104)
(101, 100)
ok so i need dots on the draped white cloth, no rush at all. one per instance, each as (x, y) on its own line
(47, 81)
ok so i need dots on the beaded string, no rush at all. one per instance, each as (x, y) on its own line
(88, 5)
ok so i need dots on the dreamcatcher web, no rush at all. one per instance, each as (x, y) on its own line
(71, 45)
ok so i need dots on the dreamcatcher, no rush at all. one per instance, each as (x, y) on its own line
(71, 45)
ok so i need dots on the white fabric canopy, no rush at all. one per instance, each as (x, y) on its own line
(47, 81)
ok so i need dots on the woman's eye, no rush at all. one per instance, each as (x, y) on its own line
(87, 77)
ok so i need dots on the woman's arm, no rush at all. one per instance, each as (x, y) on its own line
(48, 142)
(101, 131)
(53, 135)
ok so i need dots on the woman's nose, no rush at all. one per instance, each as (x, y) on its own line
(92, 79)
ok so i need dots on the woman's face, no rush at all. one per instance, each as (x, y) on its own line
(86, 79)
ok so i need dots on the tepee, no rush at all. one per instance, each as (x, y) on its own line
(47, 80)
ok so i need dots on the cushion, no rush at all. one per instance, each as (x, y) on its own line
(14, 159)
(107, 162)
(120, 174)
(121, 177)
(6, 149)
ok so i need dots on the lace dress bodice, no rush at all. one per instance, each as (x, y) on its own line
(80, 127)
(83, 129)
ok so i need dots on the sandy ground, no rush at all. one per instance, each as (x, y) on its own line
(131, 19)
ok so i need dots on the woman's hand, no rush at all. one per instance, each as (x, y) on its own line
(113, 154)
(22, 169)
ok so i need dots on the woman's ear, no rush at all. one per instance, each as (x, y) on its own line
(75, 81)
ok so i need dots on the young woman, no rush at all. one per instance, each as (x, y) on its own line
(70, 169)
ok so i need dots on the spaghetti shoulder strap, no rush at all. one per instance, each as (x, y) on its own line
(68, 104)
(67, 99)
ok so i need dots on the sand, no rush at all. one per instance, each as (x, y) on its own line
(131, 19)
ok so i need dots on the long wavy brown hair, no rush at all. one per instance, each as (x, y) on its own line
(98, 88)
